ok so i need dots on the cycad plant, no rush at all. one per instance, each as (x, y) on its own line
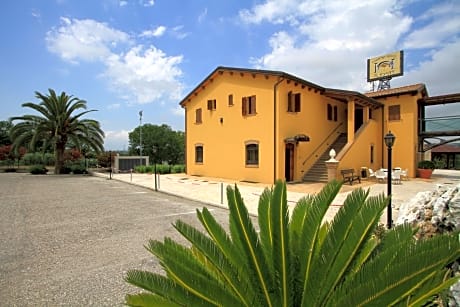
(298, 259)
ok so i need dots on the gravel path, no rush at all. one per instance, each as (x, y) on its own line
(69, 240)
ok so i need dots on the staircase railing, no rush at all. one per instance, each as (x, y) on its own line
(322, 143)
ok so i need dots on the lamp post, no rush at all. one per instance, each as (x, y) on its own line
(154, 151)
(110, 164)
(140, 136)
(389, 141)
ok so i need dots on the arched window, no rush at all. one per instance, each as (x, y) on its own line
(199, 153)
(252, 153)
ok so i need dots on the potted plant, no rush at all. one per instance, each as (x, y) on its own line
(425, 169)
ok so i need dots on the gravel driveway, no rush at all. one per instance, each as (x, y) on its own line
(69, 240)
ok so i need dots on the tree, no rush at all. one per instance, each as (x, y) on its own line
(57, 125)
(297, 260)
(5, 127)
(169, 144)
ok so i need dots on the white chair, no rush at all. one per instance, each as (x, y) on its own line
(371, 173)
(404, 175)
(396, 177)
(380, 175)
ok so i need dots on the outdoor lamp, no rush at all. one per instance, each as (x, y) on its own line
(389, 141)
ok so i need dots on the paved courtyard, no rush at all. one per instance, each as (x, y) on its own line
(69, 240)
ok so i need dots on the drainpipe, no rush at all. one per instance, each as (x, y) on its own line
(280, 79)
(383, 133)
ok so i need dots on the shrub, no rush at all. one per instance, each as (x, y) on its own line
(178, 168)
(10, 170)
(38, 170)
(297, 259)
(426, 164)
(79, 169)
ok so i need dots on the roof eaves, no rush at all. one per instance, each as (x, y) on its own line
(251, 71)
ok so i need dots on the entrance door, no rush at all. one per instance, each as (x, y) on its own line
(289, 162)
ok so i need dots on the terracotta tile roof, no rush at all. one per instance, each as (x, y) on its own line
(447, 148)
(409, 89)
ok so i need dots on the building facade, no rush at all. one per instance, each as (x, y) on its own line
(260, 126)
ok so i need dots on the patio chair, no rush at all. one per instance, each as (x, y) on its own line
(380, 175)
(371, 173)
(396, 177)
(404, 175)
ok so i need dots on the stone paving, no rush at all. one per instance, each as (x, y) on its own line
(212, 190)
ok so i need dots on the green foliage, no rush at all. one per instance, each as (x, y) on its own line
(38, 170)
(169, 144)
(5, 127)
(297, 259)
(160, 168)
(57, 126)
(178, 168)
(426, 164)
(32, 158)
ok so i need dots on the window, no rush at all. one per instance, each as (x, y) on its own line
(335, 113)
(293, 102)
(329, 112)
(249, 105)
(370, 114)
(212, 104)
(198, 116)
(252, 154)
(372, 154)
(198, 153)
(230, 100)
(394, 112)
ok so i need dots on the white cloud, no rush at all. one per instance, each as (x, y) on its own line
(113, 106)
(203, 15)
(145, 74)
(116, 140)
(328, 42)
(441, 25)
(123, 3)
(137, 74)
(148, 3)
(179, 33)
(178, 111)
(86, 40)
(157, 32)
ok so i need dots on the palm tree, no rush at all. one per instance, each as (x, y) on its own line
(298, 259)
(57, 125)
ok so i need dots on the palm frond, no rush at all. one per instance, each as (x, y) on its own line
(190, 274)
(245, 237)
(148, 300)
(216, 261)
(350, 229)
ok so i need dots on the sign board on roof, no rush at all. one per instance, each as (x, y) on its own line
(385, 66)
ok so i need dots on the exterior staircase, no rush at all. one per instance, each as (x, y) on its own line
(318, 172)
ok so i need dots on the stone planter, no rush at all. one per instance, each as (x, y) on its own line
(424, 173)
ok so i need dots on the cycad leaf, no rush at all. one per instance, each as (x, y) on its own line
(351, 227)
(381, 285)
(161, 287)
(148, 300)
(220, 237)
(190, 274)
(308, 218)
(265, 224)
(245, 237)
(217, 262)
(280, 235)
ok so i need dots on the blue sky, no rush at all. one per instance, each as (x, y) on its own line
(126, 56)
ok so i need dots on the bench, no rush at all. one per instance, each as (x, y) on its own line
(349, 176)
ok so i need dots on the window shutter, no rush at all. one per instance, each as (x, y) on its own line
(214, 104)
(335, 113)
(253, 104)
(209, 104)
(244, 106)
(329, 112)
(198, 116)
(230, 99)
(289, 102)
(297, 102)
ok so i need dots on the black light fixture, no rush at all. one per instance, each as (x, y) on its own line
(389, 142)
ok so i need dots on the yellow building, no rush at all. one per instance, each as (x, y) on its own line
(260, 126)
